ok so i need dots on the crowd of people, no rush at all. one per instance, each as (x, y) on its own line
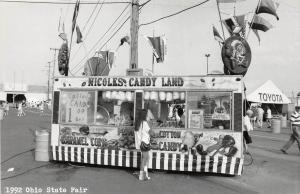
(21, 105)
(258, 115)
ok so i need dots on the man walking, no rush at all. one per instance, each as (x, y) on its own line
(295, 126)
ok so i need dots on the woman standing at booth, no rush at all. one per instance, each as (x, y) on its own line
(142, 142)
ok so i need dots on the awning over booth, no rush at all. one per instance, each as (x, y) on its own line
(268, 93)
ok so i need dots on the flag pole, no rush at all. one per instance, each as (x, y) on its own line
(234, 8)
(220, 19)
(66, 73)
(252, 19)
(67, 68)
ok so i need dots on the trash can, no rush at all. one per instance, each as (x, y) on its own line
(1, 114)
(276, 126)
(42, 145)
(283, 122)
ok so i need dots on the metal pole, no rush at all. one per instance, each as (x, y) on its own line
(48, 79)
(207, 55)
(207, 66)
(14, 88)
(220, 19)
(252, 20)
(53, 70)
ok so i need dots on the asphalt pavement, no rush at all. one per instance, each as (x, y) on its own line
(271, 172)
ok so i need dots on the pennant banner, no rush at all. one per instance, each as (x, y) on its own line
(257, 35)
(230, 24)
(111, 58)
(79, 35)
(240, 19)
(158, 45)
(63, 36)
(75, 14)
(217, 35)
(108, 58)
(267, 6)
(260, 23)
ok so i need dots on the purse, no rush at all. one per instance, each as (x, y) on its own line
(144, 146)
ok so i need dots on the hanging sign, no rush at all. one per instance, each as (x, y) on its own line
(236, 55)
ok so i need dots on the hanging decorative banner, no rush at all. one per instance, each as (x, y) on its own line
(63, 59)
(236, 55)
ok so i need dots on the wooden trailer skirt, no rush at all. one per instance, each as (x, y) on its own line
(158, 160)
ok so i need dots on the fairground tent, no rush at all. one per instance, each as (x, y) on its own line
(268, 93)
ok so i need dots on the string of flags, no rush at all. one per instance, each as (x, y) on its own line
(217, 35)
(107, 57)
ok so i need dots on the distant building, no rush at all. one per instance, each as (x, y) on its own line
(15, 92)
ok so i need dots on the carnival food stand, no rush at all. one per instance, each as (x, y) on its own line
(197, 121)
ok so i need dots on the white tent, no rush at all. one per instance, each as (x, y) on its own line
(268, 93)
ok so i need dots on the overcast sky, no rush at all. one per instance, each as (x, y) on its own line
(28, 31)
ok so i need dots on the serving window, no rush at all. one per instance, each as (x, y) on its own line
(207, 110)
(166, 108)
(115, 108)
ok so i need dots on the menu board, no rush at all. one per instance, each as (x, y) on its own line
(196, 119)
(77, 107)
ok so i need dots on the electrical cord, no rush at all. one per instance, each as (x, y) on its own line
(76, 166)
(25, 172)
(64, 3)
(154, 21)
(16, 155)
(142, 5)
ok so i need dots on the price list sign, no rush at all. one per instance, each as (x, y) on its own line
(76, 107)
